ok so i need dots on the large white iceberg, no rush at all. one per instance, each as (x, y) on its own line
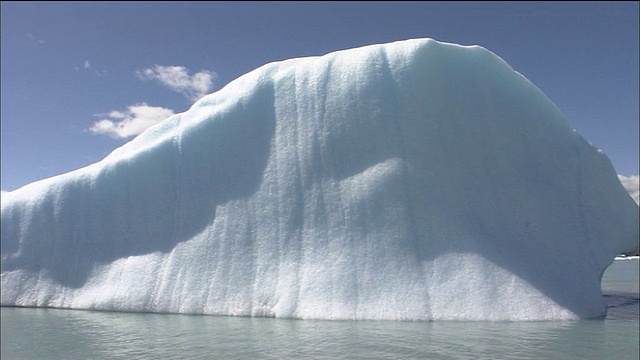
(415, 180)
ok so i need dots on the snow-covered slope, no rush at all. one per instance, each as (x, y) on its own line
(411, 180)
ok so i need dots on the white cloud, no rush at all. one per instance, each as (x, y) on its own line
(632, 185)
(177, 78)
(91, 69)
(39, 41)
(131, 122)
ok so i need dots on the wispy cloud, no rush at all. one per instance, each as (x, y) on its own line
(177, 78)
(87, 66)
(632, 185)
(131, 122)
(39, 41)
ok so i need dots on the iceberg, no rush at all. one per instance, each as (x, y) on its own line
(415, 180)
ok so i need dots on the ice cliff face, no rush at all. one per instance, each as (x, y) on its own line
(411, 180)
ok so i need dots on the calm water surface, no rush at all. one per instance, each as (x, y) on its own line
(73, 334)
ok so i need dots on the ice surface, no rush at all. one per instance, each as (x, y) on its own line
(411, 180)
(632, 185)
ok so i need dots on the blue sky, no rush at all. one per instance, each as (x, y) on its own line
(71, 72)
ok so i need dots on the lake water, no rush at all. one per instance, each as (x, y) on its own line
(73, 334)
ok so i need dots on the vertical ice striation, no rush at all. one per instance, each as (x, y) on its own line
(411, 180)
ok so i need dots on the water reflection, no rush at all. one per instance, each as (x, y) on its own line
(69, 334)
